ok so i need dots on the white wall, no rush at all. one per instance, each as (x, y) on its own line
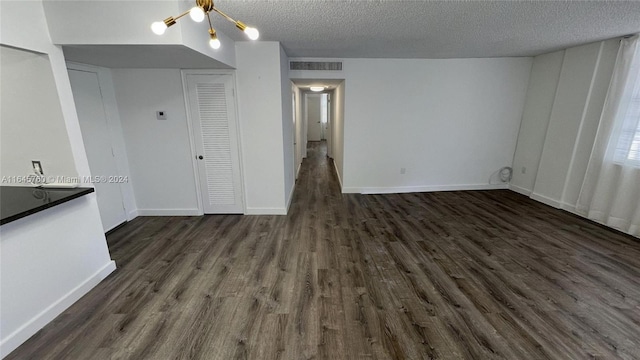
(450, 123)
(337, 128)
(158, 150)
(288, 130)
(32, 126)
(557, 132)
(260, 110)
(17, 31)
(328, 117)
(299, 127)
(50, 259)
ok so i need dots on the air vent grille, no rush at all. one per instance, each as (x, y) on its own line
(315, 65)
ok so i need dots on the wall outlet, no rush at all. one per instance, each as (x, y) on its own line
(161, 115)
(403, 171)
(37, 167)
(524, 170)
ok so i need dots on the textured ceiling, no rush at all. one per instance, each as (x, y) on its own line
(429, 29)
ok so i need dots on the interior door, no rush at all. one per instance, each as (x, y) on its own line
(314, 110)
(97, 143)
(215, 133)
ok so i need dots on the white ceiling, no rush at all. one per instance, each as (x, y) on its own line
(141, 56)
(429, 29)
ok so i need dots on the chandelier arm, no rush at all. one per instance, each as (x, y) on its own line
(205, 6)
(181, 15)
(225, 15)
(170, 21)
(210, 25)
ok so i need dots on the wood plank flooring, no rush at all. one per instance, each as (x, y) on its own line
(450, 275)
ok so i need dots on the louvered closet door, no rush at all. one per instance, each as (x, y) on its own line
(215, 129)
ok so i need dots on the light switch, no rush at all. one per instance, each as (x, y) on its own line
(161, 115)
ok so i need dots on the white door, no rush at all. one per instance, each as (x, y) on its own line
(215, 133)
(314, 110)
(97, 144)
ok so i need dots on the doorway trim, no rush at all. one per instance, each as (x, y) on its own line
(116, 133)
(294, 108)
(190, 127)
(314, 128)
(329, 133)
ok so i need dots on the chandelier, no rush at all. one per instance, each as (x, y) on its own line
(197, 14)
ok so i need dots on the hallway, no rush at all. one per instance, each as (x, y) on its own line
(451, 275)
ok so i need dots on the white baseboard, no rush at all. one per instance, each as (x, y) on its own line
(429, 188)
(556, 203)
(570, 208)
(520, 190)
(24, 332)
(132, 215)
(335, 166)
(169, 212)
(598, 217)
(266, 211)
(546, 200)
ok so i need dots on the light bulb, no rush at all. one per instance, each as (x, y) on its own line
(316, 88)
(158, 27)
(214, 43)
(196, 13)
(252, 33)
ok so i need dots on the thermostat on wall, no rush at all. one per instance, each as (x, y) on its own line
(161, 115)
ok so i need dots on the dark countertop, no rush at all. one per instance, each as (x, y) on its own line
(19, 201)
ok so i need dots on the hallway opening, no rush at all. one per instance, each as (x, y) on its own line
(319, 116)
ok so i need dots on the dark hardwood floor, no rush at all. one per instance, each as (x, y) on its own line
(448, 275)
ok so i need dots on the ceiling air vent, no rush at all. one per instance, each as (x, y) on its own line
(315, 65)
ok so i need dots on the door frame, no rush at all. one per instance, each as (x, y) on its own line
(114, 125)
(303, 113)
(329, 133)
(294, 115)
(192, 144)
(318, 95)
